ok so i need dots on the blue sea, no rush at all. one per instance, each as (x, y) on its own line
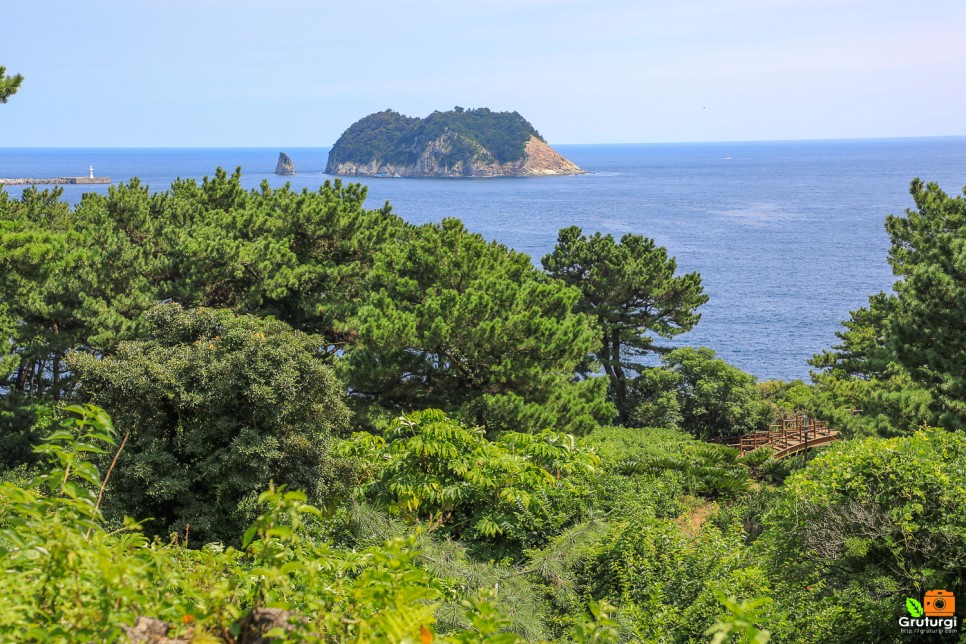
(788, 236)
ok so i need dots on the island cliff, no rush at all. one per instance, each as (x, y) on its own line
(458, 143)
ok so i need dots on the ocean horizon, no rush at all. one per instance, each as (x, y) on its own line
(788, 236)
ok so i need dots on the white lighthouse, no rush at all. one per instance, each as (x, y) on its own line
(92, 171)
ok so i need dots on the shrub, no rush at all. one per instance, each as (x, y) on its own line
(866, 524)
(434, 469)
(716, 398)
(217, 406)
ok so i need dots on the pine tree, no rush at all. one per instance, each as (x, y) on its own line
(471, 327)
(8, 84)
(926, 329)
(630, 287)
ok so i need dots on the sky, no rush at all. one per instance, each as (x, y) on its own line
(297, 73)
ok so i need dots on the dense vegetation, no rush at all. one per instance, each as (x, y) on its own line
(390, 138)
(332, 425)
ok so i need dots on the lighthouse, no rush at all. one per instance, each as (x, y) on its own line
(92, 171)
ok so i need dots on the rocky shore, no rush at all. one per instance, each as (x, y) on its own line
(539, 160)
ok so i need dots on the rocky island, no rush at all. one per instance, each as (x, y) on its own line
(457, 143)
(285, 165)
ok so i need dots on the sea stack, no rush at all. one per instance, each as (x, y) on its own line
(285, 165)
(458, 143)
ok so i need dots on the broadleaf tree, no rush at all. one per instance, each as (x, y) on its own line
(218, 406)
(630, 287)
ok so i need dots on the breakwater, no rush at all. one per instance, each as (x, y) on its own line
(62, 181)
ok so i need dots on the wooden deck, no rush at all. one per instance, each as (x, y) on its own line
(791, 436)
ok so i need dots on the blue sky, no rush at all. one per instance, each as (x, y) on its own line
(297, 73)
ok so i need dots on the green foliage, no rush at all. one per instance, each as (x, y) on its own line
(888, 504)
(655, 572)
(597, 625)
(738, 623)
(67, 579)
(716, 399)
(630, 288)
(707, 470)
(301, 257)
(665, 554)
(218, 405)
(660, 466)
(537, 598)
(51, 535)
(8, 84)
(389, 138)
(867, 524)
(81, 279)
(436, 470)
(471, 327)
(925, 331)
(897, 365)
(653, 400)
(627, 484)
(749, 510)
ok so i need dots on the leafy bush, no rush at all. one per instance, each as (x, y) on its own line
(866, 524)
(652, 398)
(653, 572)
(433, 469)
(67, 578)
(716, 399)
(217, 406)
(702, 468)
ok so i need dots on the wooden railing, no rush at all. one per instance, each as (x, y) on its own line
(790, 436)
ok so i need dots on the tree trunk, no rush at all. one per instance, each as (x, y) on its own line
(56, 383)
(30, 378)
(619, 380)
(21, 383)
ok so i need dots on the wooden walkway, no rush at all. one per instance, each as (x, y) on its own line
(790, 436)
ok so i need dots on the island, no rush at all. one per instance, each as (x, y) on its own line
(458, 143)
(285, 165)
